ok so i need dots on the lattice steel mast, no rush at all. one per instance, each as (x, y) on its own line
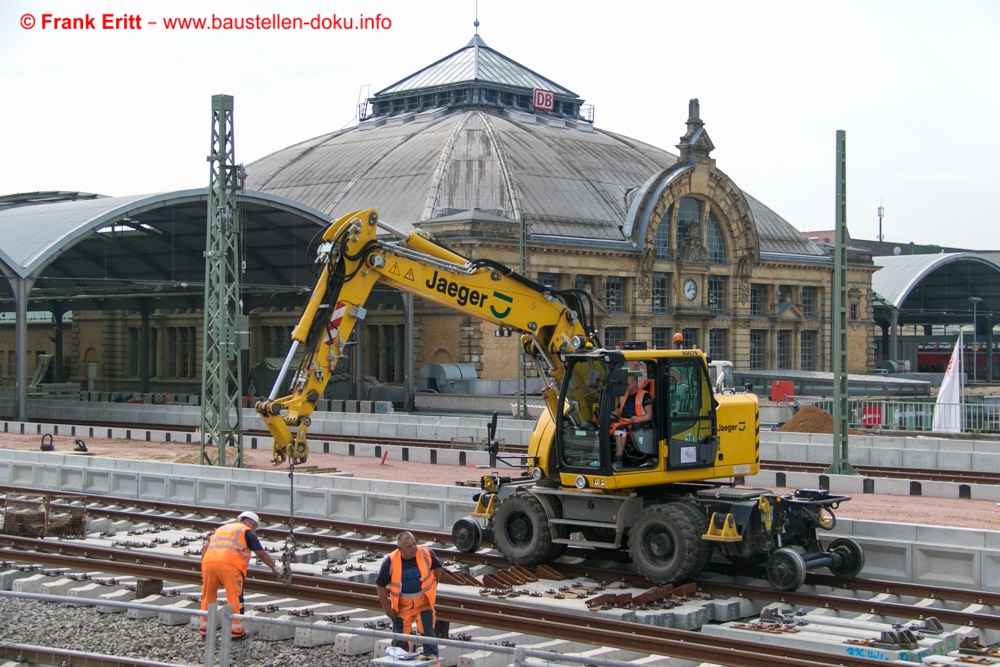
(226, 330)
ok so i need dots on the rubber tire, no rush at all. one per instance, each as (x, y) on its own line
(664, 544)
(521, 530)
(855, 561)
(466, 535)
(700, 523)
(558, 548)
(785, 569)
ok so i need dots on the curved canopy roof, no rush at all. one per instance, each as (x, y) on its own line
(936, 289)
(118, 251)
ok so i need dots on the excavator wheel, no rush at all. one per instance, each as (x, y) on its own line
(521, 530)
(850, 555)
(700, 523)
(665, 544)
(785, 569)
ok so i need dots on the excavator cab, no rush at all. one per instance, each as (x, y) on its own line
(673, 384)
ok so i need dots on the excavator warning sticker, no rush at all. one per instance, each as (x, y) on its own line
(394, 270)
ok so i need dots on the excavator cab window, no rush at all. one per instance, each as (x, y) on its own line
(690, 414)
(591, 391)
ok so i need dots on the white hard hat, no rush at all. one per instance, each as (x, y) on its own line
(249, 515)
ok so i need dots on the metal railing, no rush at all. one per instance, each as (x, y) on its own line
(879, 414)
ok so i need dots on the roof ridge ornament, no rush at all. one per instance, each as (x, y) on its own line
(695, 143)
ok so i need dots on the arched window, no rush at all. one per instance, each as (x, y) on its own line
(716, 241)
(662, 241)
(688, 212)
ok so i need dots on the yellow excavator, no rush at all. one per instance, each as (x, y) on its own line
(668, 498)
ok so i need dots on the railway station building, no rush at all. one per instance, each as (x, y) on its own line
(462, 150)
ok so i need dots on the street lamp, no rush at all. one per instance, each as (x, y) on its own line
(975, 302)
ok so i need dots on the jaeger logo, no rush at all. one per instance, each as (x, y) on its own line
(729, 428)
(465, 296)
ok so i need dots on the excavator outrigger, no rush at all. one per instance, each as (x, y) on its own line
(668, 501)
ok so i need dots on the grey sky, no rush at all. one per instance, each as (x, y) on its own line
(912, 83)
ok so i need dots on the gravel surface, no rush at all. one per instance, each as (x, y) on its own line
(84, 629)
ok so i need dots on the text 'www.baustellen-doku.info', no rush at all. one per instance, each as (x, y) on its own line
(124, 21)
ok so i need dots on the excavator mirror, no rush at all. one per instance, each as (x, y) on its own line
(491, 428)
(617, 381)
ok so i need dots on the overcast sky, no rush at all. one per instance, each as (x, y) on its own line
(913, 83)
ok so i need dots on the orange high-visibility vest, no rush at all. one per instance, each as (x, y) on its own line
(639, 395)
(428, 583)
(227, 545)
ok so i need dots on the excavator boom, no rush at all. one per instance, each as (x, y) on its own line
(353, 257)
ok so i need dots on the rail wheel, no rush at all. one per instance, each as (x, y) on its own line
(521, 530)
(786, 569)
(848, 558)
(664, 544)
(466, 535)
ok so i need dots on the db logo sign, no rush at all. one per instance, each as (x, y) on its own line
(545, 100)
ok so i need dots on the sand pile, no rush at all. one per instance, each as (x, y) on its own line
(811, 419)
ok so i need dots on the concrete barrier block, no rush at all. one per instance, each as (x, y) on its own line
(384, 510)
(346, 505)
(423, 514)
(123, 484)
(22, 474)
(70, 479)
(990, 576)
(309, 502)
(182, 490)
(947, 566)
(242, 494)
(211, 492)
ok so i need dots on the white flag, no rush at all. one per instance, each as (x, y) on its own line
(948, 409)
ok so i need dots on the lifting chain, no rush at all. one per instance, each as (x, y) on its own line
(288, 555)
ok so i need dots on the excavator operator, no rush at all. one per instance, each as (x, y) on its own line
(635, 407)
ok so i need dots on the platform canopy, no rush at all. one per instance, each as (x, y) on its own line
(937, 289)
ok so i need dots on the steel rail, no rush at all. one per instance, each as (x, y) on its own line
(596, 568)
(549, 623)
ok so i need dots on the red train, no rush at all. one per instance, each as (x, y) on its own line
(933, 355)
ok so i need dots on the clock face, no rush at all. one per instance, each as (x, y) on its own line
(690, 289)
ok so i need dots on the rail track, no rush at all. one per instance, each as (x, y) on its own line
(139, 432)
(477, 604)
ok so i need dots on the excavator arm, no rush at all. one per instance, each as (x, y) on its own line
(352, 258)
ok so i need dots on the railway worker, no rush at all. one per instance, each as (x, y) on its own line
(224, 560)
(635, 407)
(407, 585)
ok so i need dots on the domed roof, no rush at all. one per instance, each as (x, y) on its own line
(461, 135)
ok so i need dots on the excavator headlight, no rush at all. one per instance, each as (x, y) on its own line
(580, 482)
(576, 343)
(536, 474)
